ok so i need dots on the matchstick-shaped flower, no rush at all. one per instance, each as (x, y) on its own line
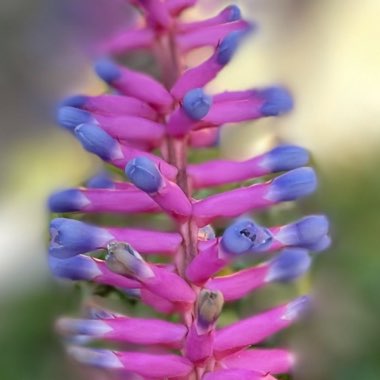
(146, 127)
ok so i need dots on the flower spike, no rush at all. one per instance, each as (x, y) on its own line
(147, 127)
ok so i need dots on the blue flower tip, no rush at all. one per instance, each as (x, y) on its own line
(234, 13)
(76, 101)
(298, 307)
(293, 185)
(312, 228)
(227, 47)
(69, 200)
(98, 358)
(290, 264)
(245, 236)
(321, 245)
(75, 268)
(101, 180)
(144, 174)
(277, 101)
(107, 70)
(196, 104)
(70, 237)
(97, 141)
(70, 117)
(286, 157)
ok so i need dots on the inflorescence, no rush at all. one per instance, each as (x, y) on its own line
(147, 128)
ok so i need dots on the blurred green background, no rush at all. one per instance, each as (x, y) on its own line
(326, 51)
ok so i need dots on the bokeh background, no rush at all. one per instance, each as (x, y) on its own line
(326, 51)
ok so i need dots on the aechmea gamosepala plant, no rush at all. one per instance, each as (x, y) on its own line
(146, 128)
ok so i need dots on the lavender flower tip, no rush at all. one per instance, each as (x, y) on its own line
(228, 46)
(297, 308)
(95, 357)
(93, 328)
(144, 174)
(123, 259)
(234, 13)
(75, 268)
(277, 101)
(76, 101)
(97, 141)
(69, 200)
(196, 103)
(312, 228)
(292, 185)
(102, 180)
(321, 245)
(245, 236)
(290, 264)
(70, 237)
(70, 117)
(107, 70)
(285, 157)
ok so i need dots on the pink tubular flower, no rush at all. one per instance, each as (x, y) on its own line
(146, 127)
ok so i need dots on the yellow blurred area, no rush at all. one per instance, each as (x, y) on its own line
(329, 57)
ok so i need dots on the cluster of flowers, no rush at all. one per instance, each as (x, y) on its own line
(146, 128)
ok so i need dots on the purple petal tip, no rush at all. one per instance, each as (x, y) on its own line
(277, 101)
(69, 200)
(196, 103)
(245, 236)
(227, 47)
(75, 268)
(144, 174)
(107, 70)
(297, 308)
(70, 237)
(293, 185)
(70, 117)
(97, 141)
(289, 265)
(285, 157)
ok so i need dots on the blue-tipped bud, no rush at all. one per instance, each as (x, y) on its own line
(97, 141)
(306, 231)
(69, 200)
(245, 236)
(144, 174)
(70, 117)
(228, 46)
(97, 358)
(76, 101)
(93, 312)
(285, 157)
(196, 104)
(76, 268)
(107, 70)
(277, 101)
(94, 328)
(70, 237)
(297, 308)
(100, 181)
(292, 185)
(234, 13)
(321, 245)
(289, 265)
